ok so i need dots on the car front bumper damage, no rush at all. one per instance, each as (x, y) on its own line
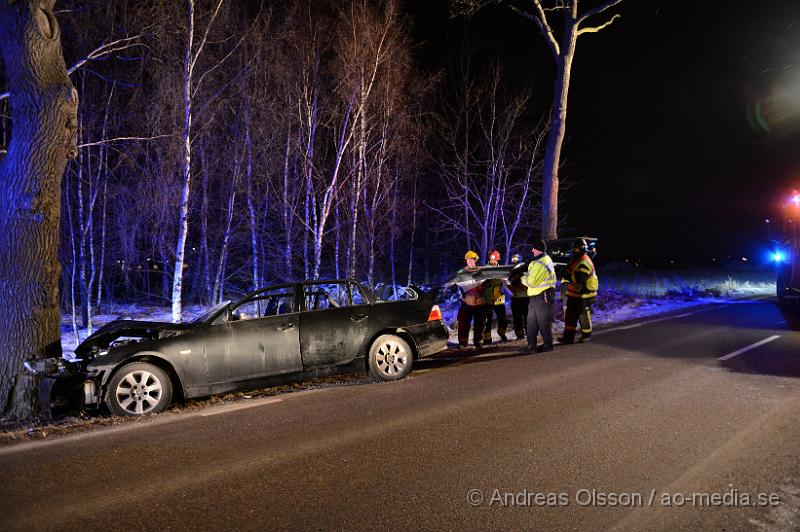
(65, 385)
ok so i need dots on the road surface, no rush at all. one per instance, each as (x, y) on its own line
(685, 423)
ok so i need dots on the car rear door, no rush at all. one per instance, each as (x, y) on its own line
(261, 339)
(333, 330)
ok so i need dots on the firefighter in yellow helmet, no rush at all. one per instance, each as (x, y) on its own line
(495, 303)
(471, 310)
(581, 293)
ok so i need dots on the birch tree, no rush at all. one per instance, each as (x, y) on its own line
(191, 82)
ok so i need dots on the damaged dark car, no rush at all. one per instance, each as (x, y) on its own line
(271, 336)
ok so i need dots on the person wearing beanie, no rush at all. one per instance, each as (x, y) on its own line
(541, 283)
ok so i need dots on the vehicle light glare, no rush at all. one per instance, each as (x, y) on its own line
(778, 256)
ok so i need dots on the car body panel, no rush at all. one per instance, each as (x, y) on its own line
(234, 350)
(250, 349)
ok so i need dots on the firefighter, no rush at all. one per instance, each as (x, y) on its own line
(519, 296)
(581, 293)
(541, 283)
(472, 307)
(495, 303)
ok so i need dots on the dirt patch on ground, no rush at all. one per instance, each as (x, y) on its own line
(12, 432)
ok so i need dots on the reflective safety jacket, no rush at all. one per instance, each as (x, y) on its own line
(582, 278)
(541, 275)
(493, 292)
(474, 296)
(518, 290)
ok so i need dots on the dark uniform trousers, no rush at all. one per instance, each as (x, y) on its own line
(540, 318)
(502, 321)
(466, 314)
(578, 310)
(519, 312)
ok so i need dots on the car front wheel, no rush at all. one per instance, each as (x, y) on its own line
(139, 388)
(390, 358)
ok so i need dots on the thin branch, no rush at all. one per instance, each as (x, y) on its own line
(595, 29)
(598, 10)
(119, 139)
(205, 36)
(99, 52)
(541, 20)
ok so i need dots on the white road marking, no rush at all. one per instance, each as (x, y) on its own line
(749, 347)
(633, 326)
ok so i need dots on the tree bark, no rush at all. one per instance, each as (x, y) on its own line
(555, 138)
(183, 224)
(44, 115)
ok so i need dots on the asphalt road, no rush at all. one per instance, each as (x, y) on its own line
(589, 437)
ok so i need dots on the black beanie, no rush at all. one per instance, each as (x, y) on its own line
(541, 245)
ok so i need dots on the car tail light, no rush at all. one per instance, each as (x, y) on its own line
(435, 314)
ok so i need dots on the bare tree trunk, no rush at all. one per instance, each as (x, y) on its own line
(555, 138)
(102, 243)
(223, 252)
(44, 113)
(307, 229)
(74, 250)
(186, 137)
(251, 210)
(208, 291)
(413, 231)
(288, 213)
(337, 241)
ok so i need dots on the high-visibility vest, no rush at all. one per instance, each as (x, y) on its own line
(493, 292)
(582, 290)
(541, 275)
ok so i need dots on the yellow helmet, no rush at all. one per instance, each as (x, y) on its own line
(471, 255)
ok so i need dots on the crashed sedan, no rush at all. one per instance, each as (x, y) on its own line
(271, 336)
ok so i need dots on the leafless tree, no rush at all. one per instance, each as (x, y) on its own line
(562, 44)
(44, 114)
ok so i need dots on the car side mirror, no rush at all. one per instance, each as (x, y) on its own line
(233, 316)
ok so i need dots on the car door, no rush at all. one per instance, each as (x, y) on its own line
(260, 337)
(332, 329)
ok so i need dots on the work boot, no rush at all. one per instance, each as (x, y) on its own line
(503, 337)
(487, 341)
(566, 339)
(585, 338)
(478, 345)
(520, 334)
(544, 348)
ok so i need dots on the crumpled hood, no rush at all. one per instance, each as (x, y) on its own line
(128, 328)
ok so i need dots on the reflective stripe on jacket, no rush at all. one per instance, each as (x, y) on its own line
(541, 275)
(493, 292)
(583, 282)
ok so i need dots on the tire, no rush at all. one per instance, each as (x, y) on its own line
(139, 388)
(390, 358)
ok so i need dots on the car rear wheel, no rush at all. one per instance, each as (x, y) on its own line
(139, 388)
(390, 358)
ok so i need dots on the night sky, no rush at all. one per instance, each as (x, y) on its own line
(683, 118)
